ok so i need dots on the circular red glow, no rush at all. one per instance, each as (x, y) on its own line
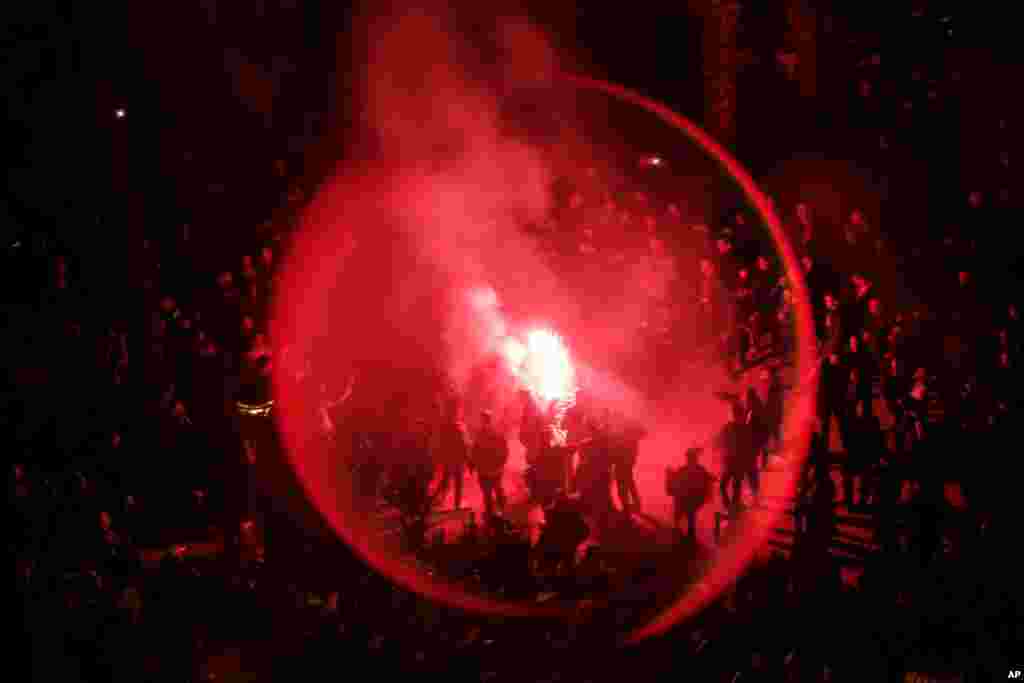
(301, 312)
(734, 558)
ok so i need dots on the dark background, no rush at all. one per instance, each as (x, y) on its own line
(191, 149)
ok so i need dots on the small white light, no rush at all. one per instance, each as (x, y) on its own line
(119, 113)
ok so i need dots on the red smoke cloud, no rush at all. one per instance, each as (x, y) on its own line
(395, 247)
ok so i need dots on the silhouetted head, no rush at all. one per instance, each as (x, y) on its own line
(823, 474)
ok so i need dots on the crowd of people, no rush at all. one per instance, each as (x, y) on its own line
(158, 458)
(137, 501)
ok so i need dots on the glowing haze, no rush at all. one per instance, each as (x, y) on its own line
(543, 365)
(469, 179)
(540, 361)
(416, 253)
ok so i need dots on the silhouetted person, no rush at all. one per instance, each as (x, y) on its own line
(862, 459)
(509, 569)
(533, 437)
(532, 433)
(453, 454)
(595, 477)
(895, 386)
(930, 508)
(742, 345)
(743, 295)
(766, 286)
(489, 456)
(820, 512)
(802, 228)
(625, 449)
(863, 370)
(690, 488)
(725, 260)
(564, 530)
(817, 281)
(775, 408)
(833, 394)
(875, 327)
(891, 477)
(414, 474)
(760, 422)
(736, 443)
(915, 422)
(854, 310)
(818, 459)
(829, 326)
(549, 473)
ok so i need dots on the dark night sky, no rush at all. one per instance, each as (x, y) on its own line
(177, 75)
